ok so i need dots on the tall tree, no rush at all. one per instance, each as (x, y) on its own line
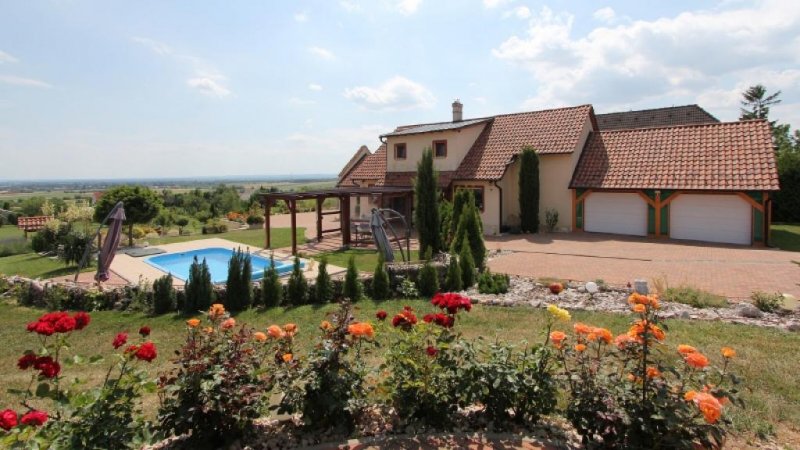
(529, 191)
(756, 102)
(427, 198)
(141, 205)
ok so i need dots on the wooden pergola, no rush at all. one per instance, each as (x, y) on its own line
(344, 194)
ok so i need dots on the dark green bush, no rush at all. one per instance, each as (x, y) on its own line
(767, 302)
(199, 290)
(467, 264)
(428, 280)
(214, 227)
(490, 283)
(471, 228)
(239, 289)
(271, 286)
(352, 290)
(163, 295)
(323, 288)
(297, 286)
(453, 278)
(380, 281)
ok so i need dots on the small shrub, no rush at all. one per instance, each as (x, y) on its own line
(239, 289)
(550, 219)
(352, 290)
(467, 264)
(214, 227)
(470, 227)
(271, 286)
(694, 297)
(380, 281)
(406, 288)
(428, 280)
(255, 220)
(493, 283)
(199, 292)
(163, 295)
(297, 286)
(453, 279)
(767, 302)
(323, 288)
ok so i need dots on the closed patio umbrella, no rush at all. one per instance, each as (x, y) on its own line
(106, 256)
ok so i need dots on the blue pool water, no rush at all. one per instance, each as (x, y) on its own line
(217, 259)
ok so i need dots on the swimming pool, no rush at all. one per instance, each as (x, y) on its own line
(178, 264)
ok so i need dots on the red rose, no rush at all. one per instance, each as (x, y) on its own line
(381, 315)
(52, 317)
(47, 367)
(8, 419)
(405, 319)
(131, 349)
(26, 361)
(144, 331)
(120, 340)
(146, 352)
(31, 327)
(45, 328)
(81, 320)
(452, 302)
(34, 418)
(431, 350)
(65, 324)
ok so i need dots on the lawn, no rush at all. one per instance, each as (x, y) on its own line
(281, 237)
(366, 259)
(34, 266)
(766, 358)
(786, 236)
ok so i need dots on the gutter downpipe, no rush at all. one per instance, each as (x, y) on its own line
(500, 222)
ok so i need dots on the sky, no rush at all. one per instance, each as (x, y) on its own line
(113, 89)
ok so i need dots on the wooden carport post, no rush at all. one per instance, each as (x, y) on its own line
(293, 209)
(267, 213)
(320, 200)
(344, 218)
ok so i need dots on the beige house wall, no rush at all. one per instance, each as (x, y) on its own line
(458, 144)
(491, 205)
(555, 174)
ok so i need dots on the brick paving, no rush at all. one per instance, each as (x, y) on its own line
(732, 271)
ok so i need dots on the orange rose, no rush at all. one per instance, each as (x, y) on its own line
(639, 308)
(709, 406)
(622, 341)
(208, 330)
(638, 299)
(361, 329)
(686, 349)
(696, 360)
(581, 328)
(728, 352)
(259, 336)
(580, 347)
(689, 395)
(325, 325)
(603, 334)
(290, 329)
(228, 323)
(653, 372)
(192, 323)
(558, 338)
(275, 332)
(287, 357)
(216, 311)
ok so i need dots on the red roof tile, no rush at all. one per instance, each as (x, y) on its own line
(371, 167)
(32, 223)
(654, 118)
(722, 156)
(549, 131)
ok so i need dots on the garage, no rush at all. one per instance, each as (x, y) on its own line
(712, 218)
(617, 213)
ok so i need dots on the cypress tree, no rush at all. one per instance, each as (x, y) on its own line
(426, 214)
(467, 264)
(239, 290)
(469, 228)
(199, 290)
(428, 279)
(352, 286)
(529, 191)
(460, 199)
(271, 287)
(453, 279)
(323, 289)
(297, 286)
(163, 295)
(380, 281)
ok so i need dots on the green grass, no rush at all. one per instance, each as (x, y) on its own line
(366, 259)
(694, 297)
(34, 266)
(281, 237)
(766, 358)
(9, 231)
(786, 236)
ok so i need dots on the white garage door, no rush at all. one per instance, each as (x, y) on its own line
(712, 218)
(616, 213)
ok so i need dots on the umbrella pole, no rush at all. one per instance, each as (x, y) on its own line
(86, 252)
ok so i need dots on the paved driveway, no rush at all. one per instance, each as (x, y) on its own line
(733, 271)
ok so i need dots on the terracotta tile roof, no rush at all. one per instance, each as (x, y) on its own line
(431, 127)
(371, 167)
(722, 156)
(549, 131)
(32, 223)
(659, 117)
(357, 156)
(403, 179)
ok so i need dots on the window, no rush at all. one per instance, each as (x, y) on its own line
(399, 151)
(477, 192)
(440, 149)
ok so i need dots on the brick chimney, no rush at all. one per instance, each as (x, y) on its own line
(458, 111)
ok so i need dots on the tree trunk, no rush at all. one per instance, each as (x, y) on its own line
(130, 234)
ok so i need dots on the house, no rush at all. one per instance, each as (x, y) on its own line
(674, 172)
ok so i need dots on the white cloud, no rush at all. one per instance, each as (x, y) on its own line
(520, 12)
(301, 17)
(301, 101)
(606, 14)
(651, 63)
(6, 58)
(408, 7)
(314, 87)
(25, 82)
(204, 78)
(209, 86)
(322, 53)
(396, 93)
(495, 3)
(350, 6)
